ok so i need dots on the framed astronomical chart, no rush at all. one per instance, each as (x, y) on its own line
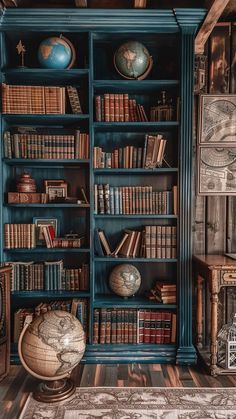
(216, 154)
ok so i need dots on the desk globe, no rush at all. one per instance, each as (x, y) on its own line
(56, 53)
(49, 348)
(133, 61)
(125, 280)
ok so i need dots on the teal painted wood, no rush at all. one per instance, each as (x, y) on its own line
(56, 164)
(77, 206)
(139, 216)
(124, 259)
(186, 352)
(162, 21)
(46, 250)
(25, 295)
(136, 171)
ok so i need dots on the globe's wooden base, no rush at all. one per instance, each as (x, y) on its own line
(54, 391)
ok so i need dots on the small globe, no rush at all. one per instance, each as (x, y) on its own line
(54, 53)
(132, 60)
(125, 280)
(52, 345)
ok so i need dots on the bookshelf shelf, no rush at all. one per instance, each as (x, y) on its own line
(136, 171)
(135, 85)
(134, 126)
(134, 302)
(139, 260)
(48, 119)
(39, 75)
(18, 295)
(48, 250)
(77, 206)
(135, 216)
(45, 162)
(169, 38)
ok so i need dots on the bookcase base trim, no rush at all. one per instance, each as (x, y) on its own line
(186, 355)
(164, 354)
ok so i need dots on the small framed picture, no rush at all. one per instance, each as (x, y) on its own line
(45, 221)
(57, 193)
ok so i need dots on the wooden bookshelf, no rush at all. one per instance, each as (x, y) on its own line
(169, 37)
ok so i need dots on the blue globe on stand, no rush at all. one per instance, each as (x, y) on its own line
(54, 53)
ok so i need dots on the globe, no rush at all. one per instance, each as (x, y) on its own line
(125, 280)
(132, 60)
(55, 53)
(49, 348)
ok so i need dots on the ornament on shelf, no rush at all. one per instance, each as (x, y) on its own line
(164, 110)
(26, 183)
(21, 51)
(125, 280)
(226, 345)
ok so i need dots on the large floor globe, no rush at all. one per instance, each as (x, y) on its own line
(51, 346)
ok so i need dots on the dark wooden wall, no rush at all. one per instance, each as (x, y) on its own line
(214, 217)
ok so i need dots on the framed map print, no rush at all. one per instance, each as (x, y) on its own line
(217, 119)
(216, 170)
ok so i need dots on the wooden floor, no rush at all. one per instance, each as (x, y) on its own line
(15, 388)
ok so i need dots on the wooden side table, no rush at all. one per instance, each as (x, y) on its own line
(5, 276)
(211, 272)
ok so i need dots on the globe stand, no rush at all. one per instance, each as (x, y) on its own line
(54, 391)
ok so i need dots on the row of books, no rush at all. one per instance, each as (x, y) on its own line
(118, 107)
(149, 156)
(48, 276)
(77, 306)
(133, 200)
(133, 326)
(163, 293)
(19, 236)
(23, 236)
(46, 146)
(158, 242)
(19, 99)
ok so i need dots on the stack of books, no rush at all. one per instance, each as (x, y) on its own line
(19, 236)
(163, 292)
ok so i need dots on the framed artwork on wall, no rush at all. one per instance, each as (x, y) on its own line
(217, 119)
(216, 153)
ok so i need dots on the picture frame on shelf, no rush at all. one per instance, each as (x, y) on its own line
(42, 222)
(217, 119)
(56, 189)
(55, 193)
(216, 170)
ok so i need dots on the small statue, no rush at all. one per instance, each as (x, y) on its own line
(21, 51)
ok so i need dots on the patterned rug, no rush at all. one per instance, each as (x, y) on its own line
(136, 403)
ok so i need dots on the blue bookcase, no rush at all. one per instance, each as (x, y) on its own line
(95, 34)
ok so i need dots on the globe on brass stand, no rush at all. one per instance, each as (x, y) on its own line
(49, 348)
